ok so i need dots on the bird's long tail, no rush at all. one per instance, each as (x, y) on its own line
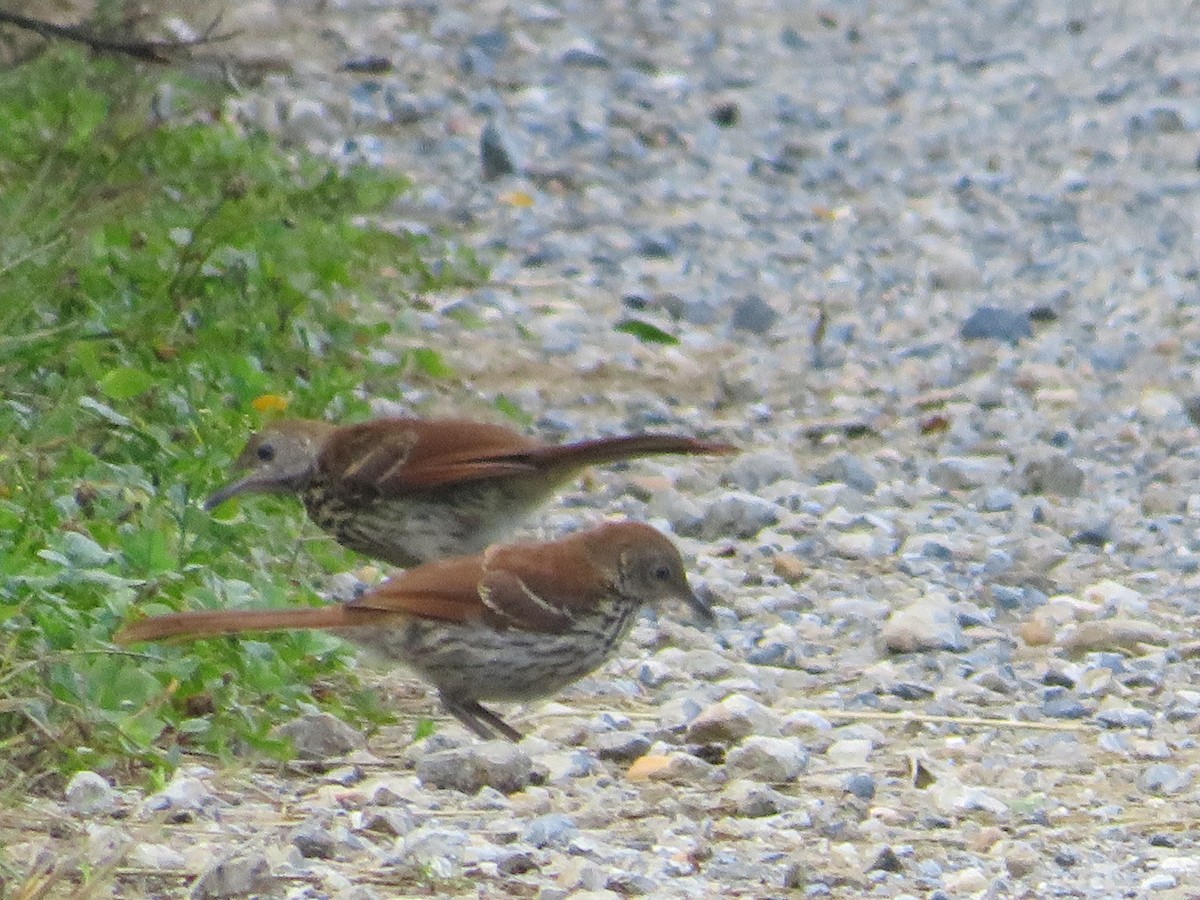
(597, 451)
(210, 623)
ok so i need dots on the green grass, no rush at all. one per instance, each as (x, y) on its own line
(155, 281)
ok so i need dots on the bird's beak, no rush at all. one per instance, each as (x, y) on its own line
(699, 606)
(241, 486)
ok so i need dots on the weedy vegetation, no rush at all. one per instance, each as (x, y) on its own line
(164, 285)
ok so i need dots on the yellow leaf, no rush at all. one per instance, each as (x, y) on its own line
(517, 198)
(270, 403)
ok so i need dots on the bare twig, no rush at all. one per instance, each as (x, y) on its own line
(150, 51)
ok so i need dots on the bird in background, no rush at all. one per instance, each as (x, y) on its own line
(515, 623)
(408, 491)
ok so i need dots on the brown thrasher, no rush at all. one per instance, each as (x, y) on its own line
(408, 491)
(517, 622)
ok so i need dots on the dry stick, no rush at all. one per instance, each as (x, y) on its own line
(875, 715)
(149, 51)
(931, 718)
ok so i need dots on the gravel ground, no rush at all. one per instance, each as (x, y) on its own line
(933, 267)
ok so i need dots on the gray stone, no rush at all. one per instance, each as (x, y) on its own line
(495, 153)
(235, 876)
(849, 471)
(550, 830)
(561, 339)
(630, 884)
(389, 820)
(518, 862)
(861, 785)
(434, 846)
(321, 735)
(314, 840)
(1055, 474)
(1130, 717)
(182, 798)
(585, 57)
(754, 471)
(1058, 704)
(1162, 778)
(763, 758)
(621, 746)
(753, 800)
(996, 323)
(496, 764)
(929, 624)
(755, 315)
(738, 515)
(955, 473)
(90, 794)
(157, 856)
(1156, 120)
(734, 718)
(998, 499)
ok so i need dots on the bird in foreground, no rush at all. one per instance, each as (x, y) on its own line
(407, 491)
(517, 622)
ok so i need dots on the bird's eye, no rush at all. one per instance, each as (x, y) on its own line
(662, 573)
(265, 452)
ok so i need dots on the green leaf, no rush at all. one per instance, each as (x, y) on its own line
(645, 332)
(126, 383)
(509, 407)
(431, 363)
(147, 553)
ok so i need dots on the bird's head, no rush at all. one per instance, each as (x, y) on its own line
(647, 565)
(276, 460)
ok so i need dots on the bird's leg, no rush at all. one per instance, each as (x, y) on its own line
(479, 719)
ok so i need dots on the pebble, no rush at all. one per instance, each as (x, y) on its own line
(848, 470)
(550, 830)
(1162, 778)
(1020, 858)
(183, 797)
(1052, 475)
(1125, 718)
(754, 315)
(495, 764)
(1161, 882)
(849, 752)
(495, 153)
(621, 746)
(996, 323)
(737, 515)
(927, 625)
(861, 785)
(314, 841)
(732, 719)
(955, 473)
(321, 735)
(753, 800)
(162, 857)
(674, 768)
(767, 759)
(90, 794)
(235, 876)
(1111, 634)
(755, 470)
(966, 881)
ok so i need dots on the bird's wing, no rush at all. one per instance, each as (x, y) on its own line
(532, 587)
(394, 456)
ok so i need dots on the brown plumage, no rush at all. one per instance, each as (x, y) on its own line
(408, 491)
(514, 623)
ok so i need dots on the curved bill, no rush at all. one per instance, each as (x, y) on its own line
(241, 486)
(700, 607)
